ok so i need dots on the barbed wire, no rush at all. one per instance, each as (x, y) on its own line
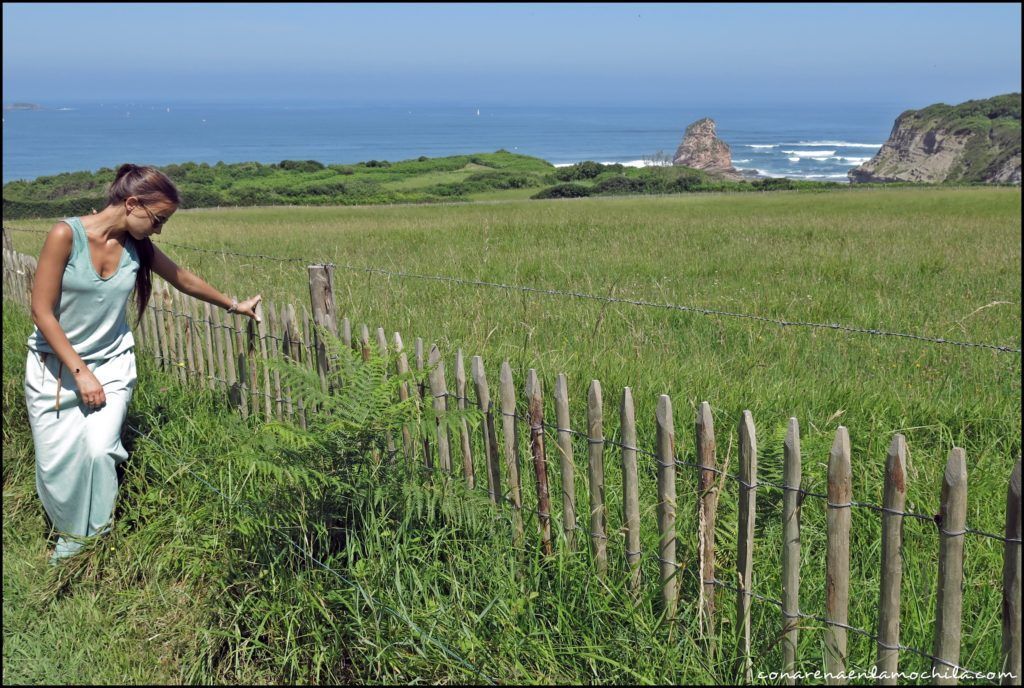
(354, 584)
(595, 297)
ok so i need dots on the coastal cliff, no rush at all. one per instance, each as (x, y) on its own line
(976, 141)
(703, 150)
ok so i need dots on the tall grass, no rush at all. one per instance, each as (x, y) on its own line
(943, 263)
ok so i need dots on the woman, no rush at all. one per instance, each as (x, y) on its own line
(80, 371)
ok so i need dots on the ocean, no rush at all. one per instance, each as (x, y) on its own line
(805, 142)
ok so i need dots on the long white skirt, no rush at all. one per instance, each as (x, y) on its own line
(77, 448)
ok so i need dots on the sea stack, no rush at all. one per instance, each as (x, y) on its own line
(703, 150)
(976, 141)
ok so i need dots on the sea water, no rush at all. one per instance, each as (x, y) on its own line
(806, 142)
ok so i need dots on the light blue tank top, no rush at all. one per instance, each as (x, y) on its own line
(91, 310)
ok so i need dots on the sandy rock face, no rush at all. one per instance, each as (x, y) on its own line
(976, 141)
(702, 149)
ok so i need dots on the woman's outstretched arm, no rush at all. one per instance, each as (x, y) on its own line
(193, 285)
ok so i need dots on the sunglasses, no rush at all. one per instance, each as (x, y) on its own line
(156, 220)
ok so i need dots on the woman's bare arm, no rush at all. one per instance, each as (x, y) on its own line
(193, 285)
(46, 293)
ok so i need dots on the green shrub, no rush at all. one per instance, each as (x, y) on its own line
(563, 191)
(301, 165)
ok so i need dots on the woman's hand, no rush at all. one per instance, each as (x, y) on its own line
(90, 391)
(248, 307)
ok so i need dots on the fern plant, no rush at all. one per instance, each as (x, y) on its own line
(356, 409)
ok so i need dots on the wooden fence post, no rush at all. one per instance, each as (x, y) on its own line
(460, 392)
(566, 458)
(321, 301)
(223, 353)
(666, 452)
(156, 302)
(707, 507)
(483, 398)
(837, 558)
(382, 348)
(364, 342)
(595, 477)
(948, 604)
(294, 349)
(243, 366)
(535, 405)
(630, 489)
(439, 392)
(745, 537)
(791, 549)
(511, 444)
(208, 335)
(894, 500)
(403, 395)
(1011, 581)
(421, 389)
(274, 344)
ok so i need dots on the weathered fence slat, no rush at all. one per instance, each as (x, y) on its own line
(460, 393)
(791, 548)
(894, 500)
(837, 558)
(346, 332)
(421, 389)
(382, 349)
(745, 538)
(208, 335)
(252, 357)
(274, 345)
(173, 357)
(949, 601)
(1011, 581)
(595, 478)
(219, 338)
(321, 300)
(189, 327)
(666, 452)
(156, 304)
(630, 489)
(707, 507)
(566, 460)
(228, 340)
(483, 398)
(402, 367)
(364, 342)
(243, 365)
(535, 412)
(261, 330)
(511, 444)
(439, 392)
(293, 346)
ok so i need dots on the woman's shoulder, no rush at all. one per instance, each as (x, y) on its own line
(63, 231)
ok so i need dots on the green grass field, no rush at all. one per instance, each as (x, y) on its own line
(942, 263)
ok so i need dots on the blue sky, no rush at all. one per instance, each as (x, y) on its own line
(508, 54)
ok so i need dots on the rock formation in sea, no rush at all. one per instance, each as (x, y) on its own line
(975, 141)
(702, 149)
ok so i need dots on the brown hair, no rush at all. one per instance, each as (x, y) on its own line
(148, 184)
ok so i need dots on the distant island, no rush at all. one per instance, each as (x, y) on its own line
(23, 106)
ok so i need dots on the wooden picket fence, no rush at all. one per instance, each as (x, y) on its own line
(202, 346)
